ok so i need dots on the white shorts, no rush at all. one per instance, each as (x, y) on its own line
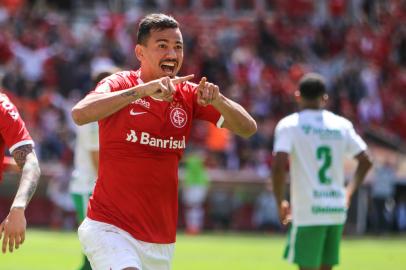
(194, 195)
(110, 248)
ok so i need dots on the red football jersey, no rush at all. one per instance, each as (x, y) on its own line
(12, 129)
(140, 148)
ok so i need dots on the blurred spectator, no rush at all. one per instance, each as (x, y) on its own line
(195, 190)
(220, 206)
(401, 213)
(254, 50)
(265, 216)
(382, 193)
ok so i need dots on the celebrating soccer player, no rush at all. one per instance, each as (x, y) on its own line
(16, 138)
(318, 142)
(145, 118)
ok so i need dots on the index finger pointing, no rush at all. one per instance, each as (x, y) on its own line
(202, 83)
(182, 79)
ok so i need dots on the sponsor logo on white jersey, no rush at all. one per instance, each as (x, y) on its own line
(142, 102)
(178, 117)
(146, 139)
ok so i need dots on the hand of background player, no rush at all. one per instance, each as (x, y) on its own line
(12, 229)
(207, 93)
(285, 215)
(164, 87)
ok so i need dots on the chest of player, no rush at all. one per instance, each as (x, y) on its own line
(148, 121)
(158, 117)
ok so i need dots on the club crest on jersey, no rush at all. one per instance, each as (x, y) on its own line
(178, 117)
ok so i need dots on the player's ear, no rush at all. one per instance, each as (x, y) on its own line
(139, 53)
(297, 95)
(325, 97)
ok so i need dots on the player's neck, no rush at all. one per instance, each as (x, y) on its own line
(312, 108)
(311, 105)
(146, 77)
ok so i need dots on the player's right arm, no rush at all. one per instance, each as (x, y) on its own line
(282, 147)
(279, 165)
(95, 107)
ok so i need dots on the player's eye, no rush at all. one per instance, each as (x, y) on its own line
(178, 47)
(162, 46)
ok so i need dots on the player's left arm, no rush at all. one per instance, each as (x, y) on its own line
(236, 118)
(12, 229)
(364, 165)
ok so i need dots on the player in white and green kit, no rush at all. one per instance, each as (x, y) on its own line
(317, 142)
(86, 163)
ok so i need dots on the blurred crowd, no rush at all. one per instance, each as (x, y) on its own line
(256, 55)
(256, 51)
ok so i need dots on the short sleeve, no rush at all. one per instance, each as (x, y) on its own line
(355, 144)
(283, 139)
(115, 82)
(12, 127)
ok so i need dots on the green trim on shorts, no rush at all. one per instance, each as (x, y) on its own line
(313, 246)
(80, 201)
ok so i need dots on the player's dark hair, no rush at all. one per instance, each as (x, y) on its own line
(156, 21)
(312, 86)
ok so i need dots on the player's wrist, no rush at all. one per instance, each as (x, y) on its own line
(17, 209)
(219, 100)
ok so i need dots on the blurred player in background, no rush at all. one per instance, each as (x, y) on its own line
(195, 188)
(14, 136)
(317, 142)
(86, 162)
(145, 119)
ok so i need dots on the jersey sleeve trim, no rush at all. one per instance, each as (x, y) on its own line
(12, 148)
(220, 122)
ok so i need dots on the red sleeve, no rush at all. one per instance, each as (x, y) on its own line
(208, 113)
(12, 127)
(115, 82)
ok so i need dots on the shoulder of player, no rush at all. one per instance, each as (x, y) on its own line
(187, 87)
(289, 120)
(117, 81)
(122, 75)
(338, 119)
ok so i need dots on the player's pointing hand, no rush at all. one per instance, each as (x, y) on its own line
(164, 87)
(207, 92)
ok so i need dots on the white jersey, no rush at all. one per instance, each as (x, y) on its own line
(84, 174)
(318, 142)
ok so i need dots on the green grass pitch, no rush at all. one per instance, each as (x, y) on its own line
(45, 250)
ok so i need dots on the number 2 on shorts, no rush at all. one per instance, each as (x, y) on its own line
(324, 154)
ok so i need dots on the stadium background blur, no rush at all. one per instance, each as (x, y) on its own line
(255, 51)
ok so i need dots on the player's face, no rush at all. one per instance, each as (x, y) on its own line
(163, 53)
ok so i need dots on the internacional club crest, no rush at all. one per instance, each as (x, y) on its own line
(178, 117)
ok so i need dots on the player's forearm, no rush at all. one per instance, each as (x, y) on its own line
(98, 106)
(278, 183)
(361, 171)
(236, 118)
(29, 180)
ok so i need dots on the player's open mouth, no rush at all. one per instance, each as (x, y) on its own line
(168, 67)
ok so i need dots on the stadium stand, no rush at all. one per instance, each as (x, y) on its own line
(254, 50)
